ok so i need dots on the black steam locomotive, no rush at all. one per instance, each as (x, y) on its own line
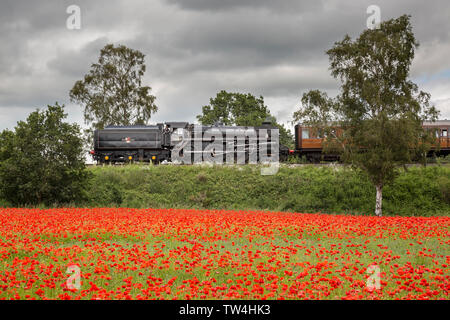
(155, 143)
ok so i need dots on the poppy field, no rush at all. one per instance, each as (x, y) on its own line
(120, 253)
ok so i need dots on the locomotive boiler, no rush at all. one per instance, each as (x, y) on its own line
(156, 143)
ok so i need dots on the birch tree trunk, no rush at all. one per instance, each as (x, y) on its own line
(379, 200)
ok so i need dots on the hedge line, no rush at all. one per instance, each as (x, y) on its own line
(417, 191)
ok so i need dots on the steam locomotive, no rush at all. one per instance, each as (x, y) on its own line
(156, 143)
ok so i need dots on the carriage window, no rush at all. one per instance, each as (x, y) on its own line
(305, 134)
(444, 133)
(320, 133)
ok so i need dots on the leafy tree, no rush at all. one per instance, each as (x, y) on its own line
(376, 120)
(42, 160)
(241, 110)
(112, 91)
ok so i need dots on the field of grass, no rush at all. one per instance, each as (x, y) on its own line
(201, 254)
(416, 192)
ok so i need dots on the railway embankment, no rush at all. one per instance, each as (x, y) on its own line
(300, 188)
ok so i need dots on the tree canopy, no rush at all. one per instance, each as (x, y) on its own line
(42, 160)
(241, 109)
(375, 122)
(112, 92)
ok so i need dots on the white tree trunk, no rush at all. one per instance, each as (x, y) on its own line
(379, 200)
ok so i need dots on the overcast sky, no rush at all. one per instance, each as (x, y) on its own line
(195, 48)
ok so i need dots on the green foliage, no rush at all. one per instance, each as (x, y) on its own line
(234, 109)
(332, 189)
(42, 161)
(112, 91)
(379, 112)
(241, 110)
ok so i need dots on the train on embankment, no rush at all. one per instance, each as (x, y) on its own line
(159, 143)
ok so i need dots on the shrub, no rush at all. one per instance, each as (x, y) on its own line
(41, 161)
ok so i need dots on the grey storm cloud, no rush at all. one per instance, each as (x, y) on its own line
(229, 5)
(195, 48)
